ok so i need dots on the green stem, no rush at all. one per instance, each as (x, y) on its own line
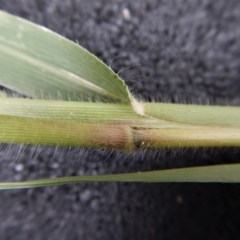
(48, 132)
(193, 136)
(111, 125)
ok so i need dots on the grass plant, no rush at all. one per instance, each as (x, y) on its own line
(71, 98)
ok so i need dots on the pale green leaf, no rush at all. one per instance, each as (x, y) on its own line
(42, 64)
(221, 116)
(229, 173)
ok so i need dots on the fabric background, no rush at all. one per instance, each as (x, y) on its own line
(175, 51)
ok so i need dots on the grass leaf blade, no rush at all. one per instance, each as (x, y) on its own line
(229, 173)
(42, 64)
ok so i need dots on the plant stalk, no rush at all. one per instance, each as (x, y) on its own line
(110, 125)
